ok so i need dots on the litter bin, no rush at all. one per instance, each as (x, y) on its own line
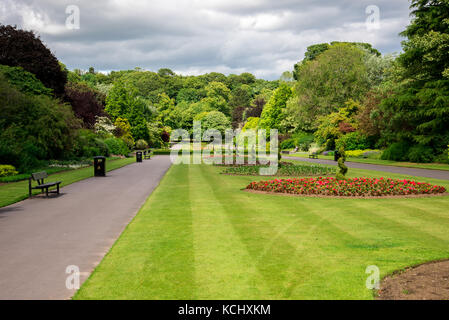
(336, 155)
(139, 156)
(100, 166)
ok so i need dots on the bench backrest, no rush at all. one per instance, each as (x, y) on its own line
(39, 176)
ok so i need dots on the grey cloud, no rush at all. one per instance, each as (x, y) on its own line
(265, 37)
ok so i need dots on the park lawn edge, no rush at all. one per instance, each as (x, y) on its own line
(95, 269)
(79, 293)
(428, 166)
(117, 164)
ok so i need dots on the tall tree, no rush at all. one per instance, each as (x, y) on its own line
(272, 114)
(418, 112)
(86, 102)
(20, 48)
(327, 82)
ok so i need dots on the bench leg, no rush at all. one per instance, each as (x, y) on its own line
(46, 191)
(57, 189)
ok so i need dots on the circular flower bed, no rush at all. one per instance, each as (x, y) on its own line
(357, 187)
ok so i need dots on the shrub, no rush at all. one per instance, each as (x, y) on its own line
(24, 81)
(87, 103)
(117, 146)
(20, 48)
(398, 151)
(7, 170)
(421, 154)
(33, 128)
(288, 144)
(304, 141)
(353, 141)
(368, 153)
(285, 170)
(141, 144)
(89, 145)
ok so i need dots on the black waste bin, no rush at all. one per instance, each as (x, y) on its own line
(139, 156)
(337, 155)
(100, 166)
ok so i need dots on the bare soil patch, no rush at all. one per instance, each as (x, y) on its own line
(429, 281)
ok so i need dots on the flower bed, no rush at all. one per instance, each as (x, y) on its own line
(357, 187)
(285, 169)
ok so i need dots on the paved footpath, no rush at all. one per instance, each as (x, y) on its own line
(428, 173)
(40, 238)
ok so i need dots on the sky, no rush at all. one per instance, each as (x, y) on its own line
(191, 37)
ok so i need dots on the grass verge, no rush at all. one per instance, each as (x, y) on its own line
(431, 166)
(198, 236)
(17, 191)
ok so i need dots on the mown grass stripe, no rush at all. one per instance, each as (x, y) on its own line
(223, 268)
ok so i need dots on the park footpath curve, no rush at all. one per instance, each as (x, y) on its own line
(427, 173)
(41, 237)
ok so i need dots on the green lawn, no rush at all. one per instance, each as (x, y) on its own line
(17, 191)
(432, 166)
(199, 236)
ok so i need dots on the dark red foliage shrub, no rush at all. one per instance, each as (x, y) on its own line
(165, 136)
(256, 110)
(86, 102)
(20, 48)
(237, 116)
(346, 127)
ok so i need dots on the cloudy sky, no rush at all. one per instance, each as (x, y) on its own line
(264, 37)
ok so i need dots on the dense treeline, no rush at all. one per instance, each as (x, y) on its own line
(342, 94)
(89, 113)
(348, 95)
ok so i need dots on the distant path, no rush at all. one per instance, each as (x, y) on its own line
(436, 174)
(40, 237)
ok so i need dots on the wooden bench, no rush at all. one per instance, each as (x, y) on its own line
(313, 156)
(147, 155)
(41, 185)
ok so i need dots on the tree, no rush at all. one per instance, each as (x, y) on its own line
(336, 124)
(251, 123)
(165, 72)
(24, 81)
(123, 131)
(272, 114)
(214, 120)
(241, 96)
(315, 50)
(20, 48)
(86, 102)
(33, 128)
(118, 101)
(124, 102)
(327, 82)
(218, 90)
(418, 111)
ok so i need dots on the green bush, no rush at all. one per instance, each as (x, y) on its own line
(353, 141)
(7, 170)
(117, 146)
(288, 144)
(304, 141)
(24, 81)
(398, 151)
(33, 128)
(141, 144)
(421, 154)
(89, 145)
